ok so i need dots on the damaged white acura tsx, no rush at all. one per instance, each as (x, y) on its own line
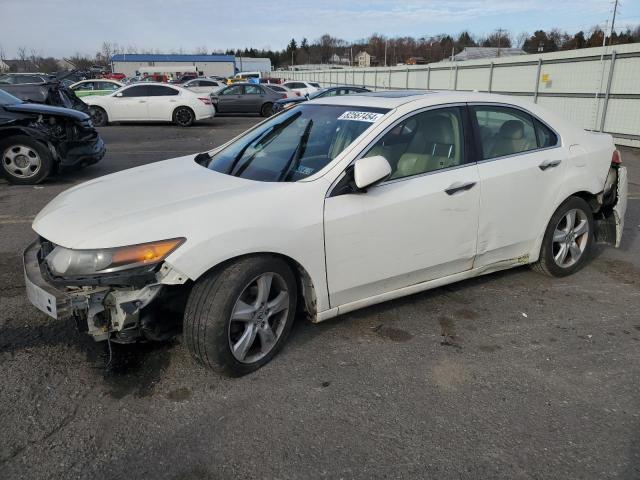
(333, 205)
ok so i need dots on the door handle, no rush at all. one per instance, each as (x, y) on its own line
(549, 164)
(142, 101)
(459, 187)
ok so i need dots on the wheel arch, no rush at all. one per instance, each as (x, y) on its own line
(173, 113)
(307, 299)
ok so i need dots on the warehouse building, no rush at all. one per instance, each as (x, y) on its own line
(219, 65)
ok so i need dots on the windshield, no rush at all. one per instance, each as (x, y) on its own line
(295, 144)
(8, 99)
(318, 93)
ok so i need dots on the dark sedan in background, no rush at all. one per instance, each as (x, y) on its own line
(246, 98)
(325, 92)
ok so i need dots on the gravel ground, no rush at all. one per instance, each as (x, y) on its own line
(512, 375)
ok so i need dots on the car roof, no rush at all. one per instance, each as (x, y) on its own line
(394, 98)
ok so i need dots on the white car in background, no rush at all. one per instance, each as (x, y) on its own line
(150, 102)
(281, 89)
(333, 205)
(204, 85)
(303, 88)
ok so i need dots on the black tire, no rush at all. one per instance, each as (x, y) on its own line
(28, 148)
(183, 117)
(547, 264)
(207, 319)
(266, 110)
(99, 116)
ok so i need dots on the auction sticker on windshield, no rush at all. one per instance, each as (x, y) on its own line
(361, 116)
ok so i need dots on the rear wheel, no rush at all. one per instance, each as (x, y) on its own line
(99, 116)
(183, 117)
(568, 239)
(267, 110)
(237, 318)
(25, 161)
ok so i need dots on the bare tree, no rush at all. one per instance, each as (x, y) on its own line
(23, 56)
(202, 50)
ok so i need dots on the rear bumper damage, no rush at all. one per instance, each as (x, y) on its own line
(149, 307)
(610, 218)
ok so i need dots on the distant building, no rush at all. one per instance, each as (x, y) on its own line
(338, 60)
(474, 53)
(363, 59)
(416, 61)
(129, 63)
(3, 67)
(253, 64)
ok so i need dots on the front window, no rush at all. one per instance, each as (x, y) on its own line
(295, 144)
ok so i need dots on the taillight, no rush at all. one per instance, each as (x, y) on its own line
(297, 93)
(616, 158)
(205, 100)
(284, 95)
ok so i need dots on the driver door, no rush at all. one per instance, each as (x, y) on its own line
(419, 225)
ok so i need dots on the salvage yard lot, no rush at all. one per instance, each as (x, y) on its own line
(511, 375)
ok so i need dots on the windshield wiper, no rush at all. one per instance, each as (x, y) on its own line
(294, 161)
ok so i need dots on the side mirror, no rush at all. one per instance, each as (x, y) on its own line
(306, 96)
(370, 170)
(119, 94)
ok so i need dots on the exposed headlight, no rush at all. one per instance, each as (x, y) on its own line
(67, 262)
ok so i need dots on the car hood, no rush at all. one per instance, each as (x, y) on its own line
(40, 109)
(166, 199)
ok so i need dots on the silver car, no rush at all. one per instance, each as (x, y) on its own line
(246, 98)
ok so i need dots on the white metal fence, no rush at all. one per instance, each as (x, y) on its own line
(598, 88)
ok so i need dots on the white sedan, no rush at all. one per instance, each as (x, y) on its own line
(333, 205)
(150, 102)
(303, 88)
(204, 85)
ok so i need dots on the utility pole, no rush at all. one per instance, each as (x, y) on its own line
(386, 42)
(613, 20)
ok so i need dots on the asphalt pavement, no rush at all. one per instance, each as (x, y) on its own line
(512, 375)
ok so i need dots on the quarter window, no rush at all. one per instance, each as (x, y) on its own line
(546, 137)
(504, 131)
(426, 142)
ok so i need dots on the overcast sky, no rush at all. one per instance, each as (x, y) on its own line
(64, 27)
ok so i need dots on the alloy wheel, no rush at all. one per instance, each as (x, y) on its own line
(570, 238)
(258, 318)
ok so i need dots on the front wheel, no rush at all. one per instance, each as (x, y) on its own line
(238, 317)
(25, 161)
(99, 116)
(568, 239)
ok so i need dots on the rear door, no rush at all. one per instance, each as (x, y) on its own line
(253, 98)
(522, 167)
(161, 102)
(132, 105)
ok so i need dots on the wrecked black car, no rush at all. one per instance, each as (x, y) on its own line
(36, 140)
(49, 91)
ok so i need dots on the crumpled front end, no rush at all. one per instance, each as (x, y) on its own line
(122, 306)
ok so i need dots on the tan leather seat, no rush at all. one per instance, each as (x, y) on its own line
(511, 139)
(432, 148)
